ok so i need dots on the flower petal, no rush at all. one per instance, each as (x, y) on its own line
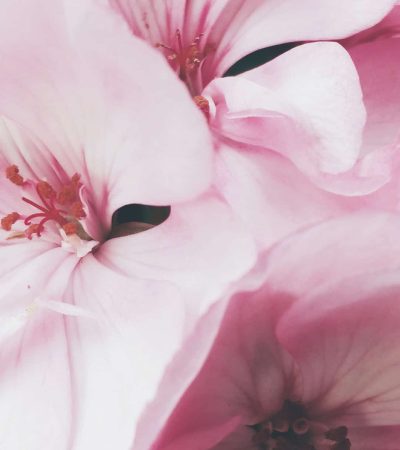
(381, 92)
(36, 387)
(305, 104)
(121, 355)
(242, 381)
(202, 248)
(364, 241)
(349, 362)
(232, 29)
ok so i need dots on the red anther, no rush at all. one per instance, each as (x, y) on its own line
(45, 190)
(32, 229)
(8, 221)
(12, 173)
(70, 228)
(77, 210)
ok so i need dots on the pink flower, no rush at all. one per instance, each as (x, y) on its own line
(88, 322)
(309, 357)
(203, 38)
(289, 136)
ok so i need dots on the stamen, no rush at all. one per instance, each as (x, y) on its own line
(186, 60)
(66, 217)
(12, 173)
(291, 429)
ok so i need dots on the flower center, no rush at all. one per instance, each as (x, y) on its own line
(186, 61)
(62, 206)
(291, 429)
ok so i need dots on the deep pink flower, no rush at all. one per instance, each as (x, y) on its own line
(89, 322)
(309, 358)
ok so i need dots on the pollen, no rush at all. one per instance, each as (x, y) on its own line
(8, 221)
(61, 206)
(203, 104)
(12, 173)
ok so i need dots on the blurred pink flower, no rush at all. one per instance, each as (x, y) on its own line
(309, 358)
(89, 322)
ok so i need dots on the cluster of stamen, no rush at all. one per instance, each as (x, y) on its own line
(63, 207)
(291, 429)
(186, 61)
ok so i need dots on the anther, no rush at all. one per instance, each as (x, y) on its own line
(301, 426)
(48, 208)
(8, 221)
(12, 173)
(70, 228)
(203, 104)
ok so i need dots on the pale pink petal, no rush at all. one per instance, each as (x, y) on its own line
(319, 246)
(305, 105)
(119, 356)
(36, 386)
(345, 340)
(37, 391)
(389, 27)
(271, 196)
(257, 24)
(201, 248)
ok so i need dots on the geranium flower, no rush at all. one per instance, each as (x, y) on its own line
(309, 358)
(89, 320)
(203, 38)
(289, 135)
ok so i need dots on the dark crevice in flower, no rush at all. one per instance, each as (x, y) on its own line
(135, 218)
(258, 58)
(292, 429)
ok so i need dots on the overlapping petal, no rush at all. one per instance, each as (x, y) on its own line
(275, 340)
(305, 105)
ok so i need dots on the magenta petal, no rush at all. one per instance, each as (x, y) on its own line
(349, 362)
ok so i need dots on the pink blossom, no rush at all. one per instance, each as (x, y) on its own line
(89, 322)
(309, 357)
(203, 38)
(290, 137)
